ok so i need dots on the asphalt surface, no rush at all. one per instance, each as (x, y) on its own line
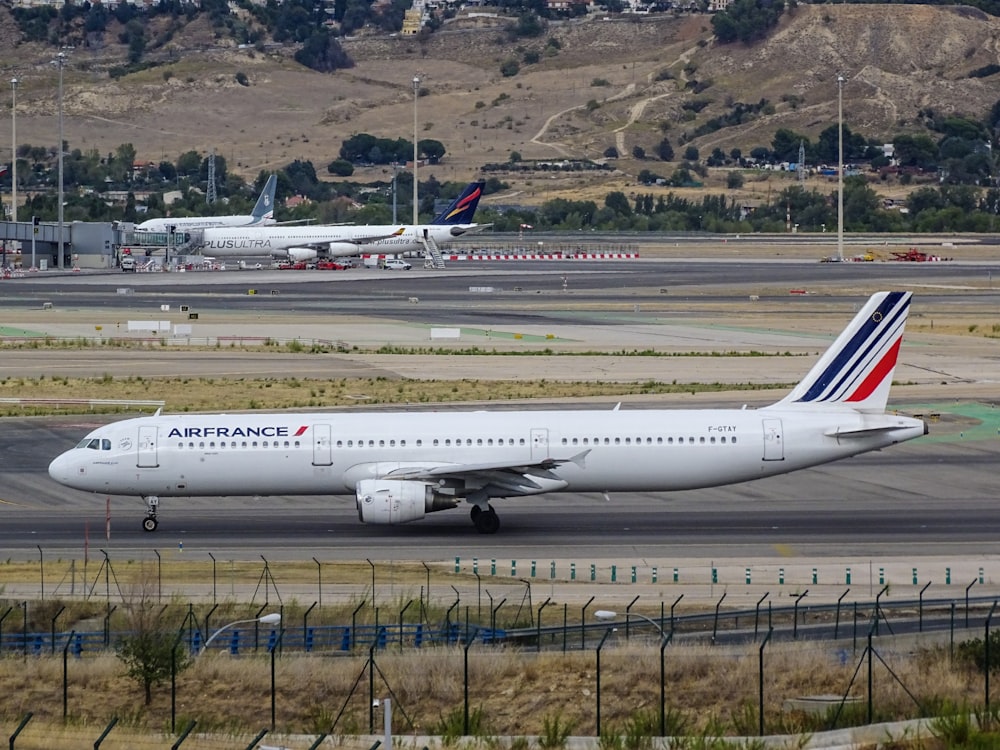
(933, 499)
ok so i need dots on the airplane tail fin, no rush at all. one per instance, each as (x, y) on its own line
(263, 210)
(463, 208)
(856, 371)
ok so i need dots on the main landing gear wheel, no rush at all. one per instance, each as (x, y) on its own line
(149, 523)
(487, 521)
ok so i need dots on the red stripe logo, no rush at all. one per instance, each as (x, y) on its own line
(876, 376)
(301, 430)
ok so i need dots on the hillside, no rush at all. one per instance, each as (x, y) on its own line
(636, 74)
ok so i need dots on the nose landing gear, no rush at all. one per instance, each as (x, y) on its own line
(149, 523)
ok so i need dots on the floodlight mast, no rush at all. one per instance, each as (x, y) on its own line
(840, 168)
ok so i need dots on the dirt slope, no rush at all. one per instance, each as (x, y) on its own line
(896, 60)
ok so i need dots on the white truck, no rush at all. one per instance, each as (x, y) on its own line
(127, 263)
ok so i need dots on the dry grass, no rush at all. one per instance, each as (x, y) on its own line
(895, 62)
(211, 394)
(709, 690)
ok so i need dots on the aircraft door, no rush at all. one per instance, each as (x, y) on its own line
(146, 454)
(774, 445)
(322, 445)
(539, 443)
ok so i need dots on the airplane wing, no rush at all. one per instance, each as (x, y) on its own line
(361, 239)
(514, 475)
(324, 244)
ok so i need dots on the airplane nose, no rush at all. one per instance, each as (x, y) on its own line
(59, 469)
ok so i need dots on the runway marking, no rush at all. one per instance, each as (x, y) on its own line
(16, 505)
(785, 550)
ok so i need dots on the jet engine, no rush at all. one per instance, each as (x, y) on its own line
(388, 501)
(302, 253)
(343, 249)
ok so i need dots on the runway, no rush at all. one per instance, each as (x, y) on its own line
(933, 497)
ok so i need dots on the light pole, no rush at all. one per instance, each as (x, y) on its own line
(13, 149)
(416, 90)
(395, 176)
(607, 614)
(60, 62)
(272, 619)
(840, 168)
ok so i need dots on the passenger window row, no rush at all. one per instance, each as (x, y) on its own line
(243, 444)
(649, 441)
(105, 444)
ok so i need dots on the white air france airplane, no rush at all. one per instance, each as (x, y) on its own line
(262, 215)
(400, 466)
(339, 240)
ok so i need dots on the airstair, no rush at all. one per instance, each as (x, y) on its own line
(432, 253)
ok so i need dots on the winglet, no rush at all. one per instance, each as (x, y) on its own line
(856, 371)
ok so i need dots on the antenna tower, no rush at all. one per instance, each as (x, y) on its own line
(802, 164)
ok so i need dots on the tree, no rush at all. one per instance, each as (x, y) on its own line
(786, 143)
(124, 161)
(915, 151)
(432, 149)
(509, 68)
(665, 151)
(638, 152)
(691, 154)
(323, 52)
(149, 656)
(618, 202)
(340, 168)
(734, 180)
(189, 164)
(152, 650)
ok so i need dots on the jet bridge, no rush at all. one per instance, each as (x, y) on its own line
(169, 244)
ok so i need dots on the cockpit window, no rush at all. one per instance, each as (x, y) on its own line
(95, 444)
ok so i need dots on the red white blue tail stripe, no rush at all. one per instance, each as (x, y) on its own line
(857, 370)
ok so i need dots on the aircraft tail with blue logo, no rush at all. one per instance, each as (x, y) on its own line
(856, 371)
(463, 208)
(263, 211)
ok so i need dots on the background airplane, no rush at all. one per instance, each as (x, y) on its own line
(399, 466)
(327, 241)
(262, 214)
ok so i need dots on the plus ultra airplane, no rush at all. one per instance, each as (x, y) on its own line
(262, 214)
(338, 240)
(400, 466)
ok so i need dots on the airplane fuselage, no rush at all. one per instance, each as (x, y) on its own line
(592, 451)
(331, 241)
(187, 223)
(403, 465)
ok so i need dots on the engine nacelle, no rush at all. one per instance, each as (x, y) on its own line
(302, 253)
(391, 501)
(343, 249)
